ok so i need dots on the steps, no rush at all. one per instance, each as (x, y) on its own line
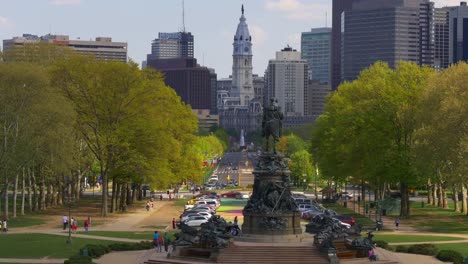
(282, 253)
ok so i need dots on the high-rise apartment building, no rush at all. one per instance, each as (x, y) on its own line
(441, 36)
(316, 49)
(458, 33)
(102, 47)
(172, 46)
(386, 30)
(287, 81)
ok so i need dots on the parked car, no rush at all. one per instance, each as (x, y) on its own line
(309, 214)
(214, 177)
(187, 216)
(298, 195)
(346, 219)
(302, 201)
(207, 209)
(211, 186)
(196, 221)
(231, 194)
(346, 195)
(304, 207)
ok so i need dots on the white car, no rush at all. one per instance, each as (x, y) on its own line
(187, 216)
(210, 187)
(213, 178)
(196, 220)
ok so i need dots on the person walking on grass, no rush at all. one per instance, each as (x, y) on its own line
(86, 225)
(4, 226)
(397, 223)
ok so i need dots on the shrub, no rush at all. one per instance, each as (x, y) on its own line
(423, 249)
(450, 255)
(382, 244)
(402, 249)
(131, 246)
(95, 251)
(78, 259)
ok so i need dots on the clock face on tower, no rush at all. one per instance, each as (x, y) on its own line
(246, 49)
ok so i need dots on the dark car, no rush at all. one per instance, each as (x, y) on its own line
(232, 194)
(346, 219)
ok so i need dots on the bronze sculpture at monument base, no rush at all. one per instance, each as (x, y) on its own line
(271, 209)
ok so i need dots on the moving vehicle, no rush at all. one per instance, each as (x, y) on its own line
(346, 219)
(214, 177)
(231, 194)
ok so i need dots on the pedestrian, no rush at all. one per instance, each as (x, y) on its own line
(155, 239)
(74, 226)
(160, 243)
(4, 226)
(167, 241)
(173, 223)
(235, 220)
(72, 222)
(86, 225)
(170, 196)
(160, 197)
(397, 223)
(65, 222)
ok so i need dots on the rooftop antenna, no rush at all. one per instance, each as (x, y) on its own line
(183, 16)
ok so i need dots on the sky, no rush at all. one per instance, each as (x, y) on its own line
(273, 24)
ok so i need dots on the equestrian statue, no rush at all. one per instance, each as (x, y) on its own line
(272, 123)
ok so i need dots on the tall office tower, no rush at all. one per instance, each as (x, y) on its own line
(315, 97)
(338, 7)
(426, 33)
(102, 47)
(458, 33)
(192, 82)
(214, 91)
(441, 36)
(316, 49)
(381, 30)
(287, 81)
(172, 46)
(242, 83)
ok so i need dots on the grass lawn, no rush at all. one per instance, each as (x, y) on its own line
(42, 245)
(26, 221)
(413, 238)
(448, 221)
(146, 235)
(461, 247)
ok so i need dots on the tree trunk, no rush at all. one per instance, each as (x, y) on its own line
(429, 191)
(15, 194)
(434, 194)
(35, 197)
(133, 193)
(405, 206)
(129, 201)
(444, 197)
(115, 190)
(5, 200)
(30, 203)
(41, 195)
(123, 198)
(455, 199)
(439, 195)
(78, 185)
(22, 192)
(464, 201)
(104, 189)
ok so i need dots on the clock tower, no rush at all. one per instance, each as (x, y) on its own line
(242, 83)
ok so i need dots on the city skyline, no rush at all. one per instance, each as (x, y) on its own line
(273, 24)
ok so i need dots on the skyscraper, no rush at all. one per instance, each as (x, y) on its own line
(401, 30)
(287, 81)
(338, 7)
(172, 46)
(441, 30)
(458, 33)
(316, 49)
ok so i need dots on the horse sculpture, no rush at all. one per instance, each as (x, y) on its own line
(272, 123)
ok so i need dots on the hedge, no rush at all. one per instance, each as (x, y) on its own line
(450, 255)
(423, 249)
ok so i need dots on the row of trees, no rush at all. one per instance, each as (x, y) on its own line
(61, 113)
(405, 127)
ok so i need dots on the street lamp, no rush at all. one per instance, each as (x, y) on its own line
(316, 174)
(304, 181)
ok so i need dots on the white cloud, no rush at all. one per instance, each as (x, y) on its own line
(65, 2)
(259, 35)
(297, 9)
(441, 3)
(294, 41)
(4, 22)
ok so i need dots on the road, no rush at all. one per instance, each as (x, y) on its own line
(236, 166)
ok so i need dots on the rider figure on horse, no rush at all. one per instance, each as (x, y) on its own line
(272, 123)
